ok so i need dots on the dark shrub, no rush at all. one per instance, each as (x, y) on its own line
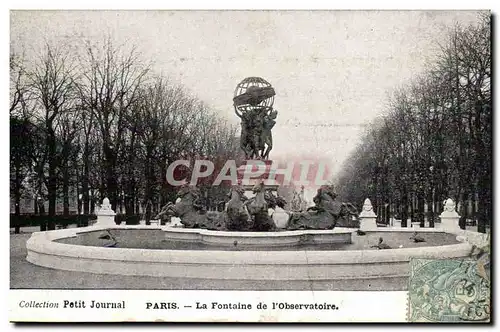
(129, 220)
(81, 220)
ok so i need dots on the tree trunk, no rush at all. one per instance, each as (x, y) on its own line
(17, 191)
(43, 222)
(412, 212)
(78, 201)
(119, 201)
(485, 150)
(150, 180)
(430, 209)
(65, 188)
(17, 198)
(85, 181)
(484, 206)
(52, 178)
(130, 189)
(148, 213)
(421, 208)
(102, 188)
(111, 183)
(164, 184)
(404, 209)
(129, 197)
(463, 209)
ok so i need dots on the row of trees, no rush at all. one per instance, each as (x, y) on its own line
(96, 121)
(435, 141)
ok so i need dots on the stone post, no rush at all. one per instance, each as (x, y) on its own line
(105, 215)
(415, 224)
(367, 218)
(449, 218)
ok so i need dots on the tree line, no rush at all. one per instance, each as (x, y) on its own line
(98, 122)
(435, 140)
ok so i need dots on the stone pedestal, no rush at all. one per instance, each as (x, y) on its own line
(449, 217)
(105, 215)
(252, 172)
(367, 218)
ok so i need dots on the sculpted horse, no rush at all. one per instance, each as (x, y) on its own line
(348, 216)
(325, 214)
(191, 212)
(238, 218)
(258, 209)
(241, 213)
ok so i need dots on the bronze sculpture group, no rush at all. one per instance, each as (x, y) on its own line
(251, 214)
(256, 139)
(254, 107)
(241, 213)
(326, 213)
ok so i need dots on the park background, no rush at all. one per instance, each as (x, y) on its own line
(101, 102)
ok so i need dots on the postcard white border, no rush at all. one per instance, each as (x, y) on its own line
(96, 4)
(206, 306)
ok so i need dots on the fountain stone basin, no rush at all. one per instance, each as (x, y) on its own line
(259, 239)
(258, 263)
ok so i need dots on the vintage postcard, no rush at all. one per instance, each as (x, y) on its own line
(250, 166)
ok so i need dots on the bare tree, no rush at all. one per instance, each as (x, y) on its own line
(87, 143)
(20, 128)
(67, 130)
(437, 138)
(109, 86)
(53, 87)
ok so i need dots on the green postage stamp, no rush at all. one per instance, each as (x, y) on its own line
(449, 290)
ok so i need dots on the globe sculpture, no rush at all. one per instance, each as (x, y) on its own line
(253, 93)
(253, 103)
(252, 198)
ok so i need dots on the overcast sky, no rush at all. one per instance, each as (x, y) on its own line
(332, 71)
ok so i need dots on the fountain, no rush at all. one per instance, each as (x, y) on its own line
(244, 242)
